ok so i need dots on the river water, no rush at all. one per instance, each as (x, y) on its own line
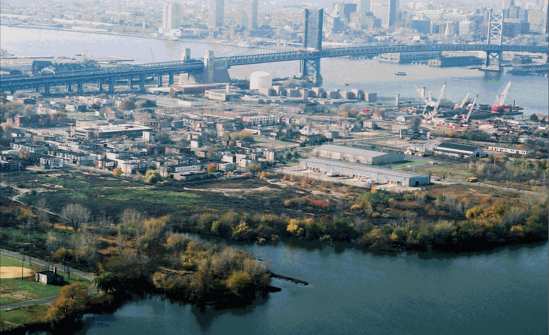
(529, 92)
(351, 292)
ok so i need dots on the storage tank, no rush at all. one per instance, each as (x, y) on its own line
(261, 81)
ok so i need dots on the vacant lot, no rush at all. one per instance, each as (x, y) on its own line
(105, 194)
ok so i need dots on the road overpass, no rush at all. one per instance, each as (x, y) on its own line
(207, 70)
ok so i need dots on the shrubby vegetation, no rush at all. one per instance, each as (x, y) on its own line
(384, 221)
(511, 169)
(179, 267)
(132, 255)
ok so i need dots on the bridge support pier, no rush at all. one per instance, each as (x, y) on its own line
(101, 89)
(494, 60)
(47, 89)
(80, 88)
(111, 85)
(310, 71)
(170, 79)
(160, 80)
(142, 83)
(69, 88)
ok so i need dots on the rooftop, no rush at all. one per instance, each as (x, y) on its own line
(457, 146)
(349, 165)
(350, 150)
(116, 128)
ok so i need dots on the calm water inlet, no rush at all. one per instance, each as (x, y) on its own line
(501, 292)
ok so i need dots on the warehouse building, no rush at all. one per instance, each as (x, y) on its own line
(110, 131)
(459, 150)
(357, 155)
(335, 168)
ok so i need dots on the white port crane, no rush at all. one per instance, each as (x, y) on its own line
(502, 96)
(439, 101)
(472, 107)
(426, 95)
(464, 101)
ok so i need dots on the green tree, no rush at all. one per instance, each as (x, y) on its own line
(151, 177)
(240, 283)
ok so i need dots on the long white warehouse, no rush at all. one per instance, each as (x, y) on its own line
(375, 175)
(357, 155)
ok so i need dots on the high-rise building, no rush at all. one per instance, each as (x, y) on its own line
(252, 15)
(507, 3)
(216, 14)
(386, 11)
(364, 8)
(393, 13)
(172, 15)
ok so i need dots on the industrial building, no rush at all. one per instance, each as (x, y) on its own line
(335, 168)
(459, 150)
(357, 155)
(109, 131)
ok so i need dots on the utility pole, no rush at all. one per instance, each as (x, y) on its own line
(22, 265)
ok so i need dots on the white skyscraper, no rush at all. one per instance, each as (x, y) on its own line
(386, 11)
(364, 7)
(172, 15)
(216, 14)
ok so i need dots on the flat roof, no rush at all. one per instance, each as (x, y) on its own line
(350, 150)
(457, 146)
(115, 128)
(368, 168)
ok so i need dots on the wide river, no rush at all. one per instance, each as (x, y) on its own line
(351, 292)
(529, 92)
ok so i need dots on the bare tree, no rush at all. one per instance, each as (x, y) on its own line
(43, 216)
(75, 215)
(132, 221)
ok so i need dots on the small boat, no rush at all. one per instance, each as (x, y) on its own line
(400, 74)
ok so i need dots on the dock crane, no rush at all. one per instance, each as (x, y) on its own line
(439, 101)
(472, 107)
(499, 106)
(434, 112)
(463, 102)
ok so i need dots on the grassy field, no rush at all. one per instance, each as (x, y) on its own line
(112, 195)
(6, 260)
(18, 290)
(17, 317)
(452, 171)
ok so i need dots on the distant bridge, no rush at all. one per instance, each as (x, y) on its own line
(208, 68)
(372, 50)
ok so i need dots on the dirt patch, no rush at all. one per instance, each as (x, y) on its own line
(8, 272)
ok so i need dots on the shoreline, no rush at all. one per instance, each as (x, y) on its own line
(140, 36)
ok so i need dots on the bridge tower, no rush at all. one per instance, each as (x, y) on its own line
(547, 28)
(494, 38)
(310, 67)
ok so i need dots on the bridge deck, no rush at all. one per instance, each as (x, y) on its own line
(131, 71)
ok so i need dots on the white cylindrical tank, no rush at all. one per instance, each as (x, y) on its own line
(261, 80)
